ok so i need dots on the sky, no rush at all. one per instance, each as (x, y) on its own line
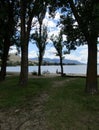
(80, 54)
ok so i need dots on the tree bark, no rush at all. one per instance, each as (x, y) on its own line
(23, 80)
(4, 61)
(91, 38)
(40, 50)
(61, 65)
(91, 80)
(24, 66)
(25, 33)
(39, 64)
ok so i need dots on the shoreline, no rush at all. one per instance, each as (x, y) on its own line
(9, 73)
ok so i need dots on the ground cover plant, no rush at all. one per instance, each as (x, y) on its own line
(57, 103)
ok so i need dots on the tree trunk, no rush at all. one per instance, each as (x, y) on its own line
(40, 51)
(91, 80)
(24, 48)
(61, 64)
(24, 66)
(4, 60)
(39, 65)
(91, 34)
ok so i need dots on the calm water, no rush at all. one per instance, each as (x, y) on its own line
(74, 69)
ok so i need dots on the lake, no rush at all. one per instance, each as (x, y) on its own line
(69, 69)
(73, 69)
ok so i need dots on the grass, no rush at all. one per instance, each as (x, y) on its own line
(12, 95)
(67, 108)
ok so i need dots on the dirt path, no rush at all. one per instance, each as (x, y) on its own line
(29, 117)
(60, 83)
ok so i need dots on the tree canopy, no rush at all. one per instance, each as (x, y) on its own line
(80, 25)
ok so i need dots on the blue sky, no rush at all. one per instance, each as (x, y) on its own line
(79, 54)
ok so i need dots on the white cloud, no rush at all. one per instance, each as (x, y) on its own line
(13, 49)
(57, 16)
(32, 54)
(72, 57)
(83, 53)
(51, 24)
(50, 53)
(80, 54)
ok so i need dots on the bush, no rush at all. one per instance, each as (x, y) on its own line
(34, 73)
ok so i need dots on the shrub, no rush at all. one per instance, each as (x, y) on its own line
(34, 73)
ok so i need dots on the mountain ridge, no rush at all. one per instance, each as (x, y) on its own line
(55, 60)
(15, 58)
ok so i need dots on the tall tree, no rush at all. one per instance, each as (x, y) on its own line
(24, 44)
(86, 14)
(59, 45)
(28, 10)
(7, 22)
(87, 18)
(40, 38)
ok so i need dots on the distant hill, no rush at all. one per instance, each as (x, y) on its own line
(14, 58)
(65, 61)
(17, 58)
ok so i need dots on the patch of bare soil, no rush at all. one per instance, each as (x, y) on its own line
(60, 83)
(31, 117)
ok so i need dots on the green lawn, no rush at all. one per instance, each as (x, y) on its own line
(12, 95)
(67, 106)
